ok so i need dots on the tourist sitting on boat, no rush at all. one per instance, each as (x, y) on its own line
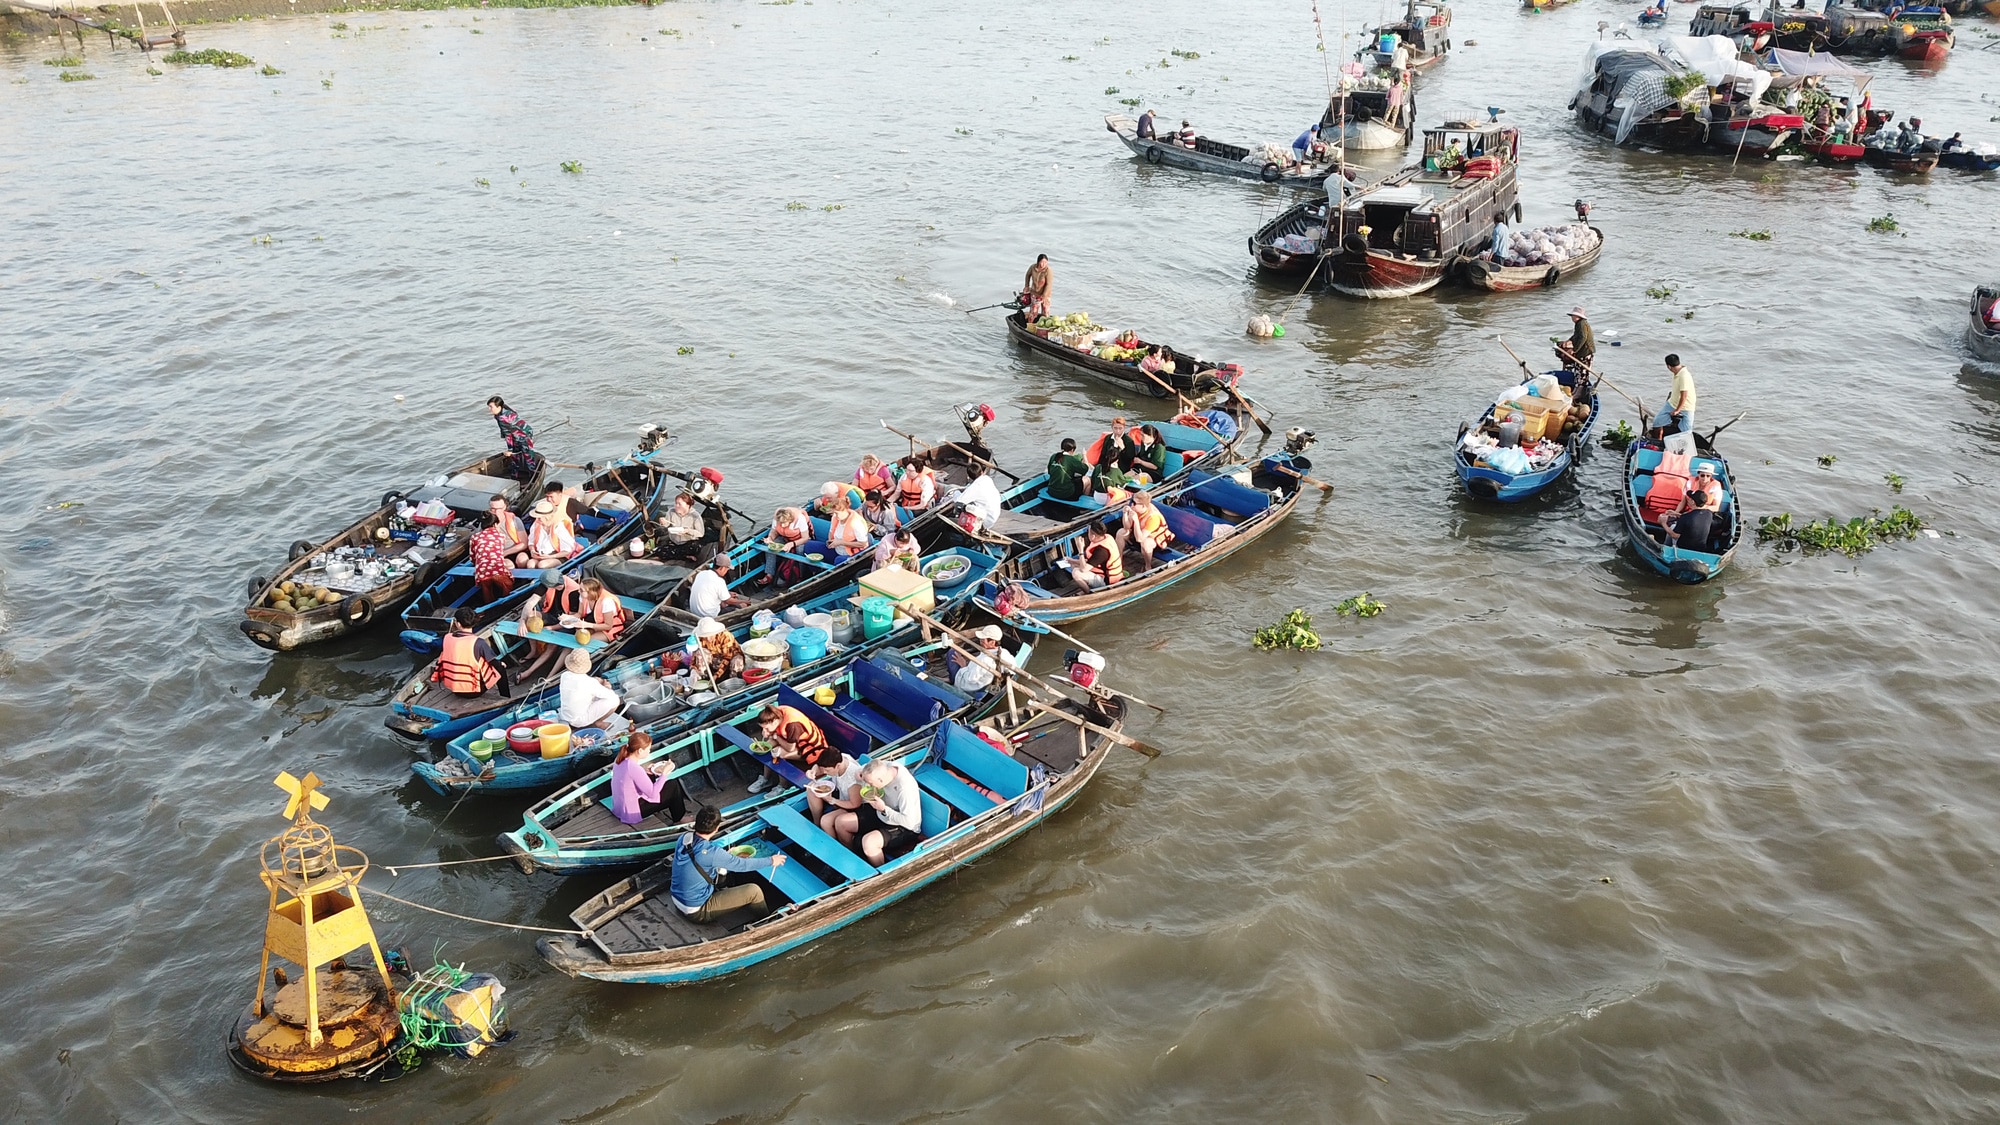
(1147, 130)
(1111, 486)
(562, 595)
(492, 567)
(834, 781)
(847, 532)
(976, 674)
(1580, 349)
(708, 592)
(570, 501)
(1118, 446)
(551, 537)
(1036, 289)
(587, 701)
(917, 489)
(1158, 361)
(880, 514)
(873, 475)
(639, 790)
(680, 530)
(833, 491)
(789, 530)
(1694, 517)
(1067, 472)
(514, 532)
(716, 656)
(1149, 455)
(602, 610)
(898, 548)
(468, 664)
(1187, 137)
(519, 437)
(701, 868)
(1099, 565)
(793, 737)
(1676, 415)
(1146, 527)
(890, 820)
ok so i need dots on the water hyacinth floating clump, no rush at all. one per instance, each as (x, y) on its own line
(1855, 537)
(1294, 630)
(78, 76)
(1360, 605)
(1752, 235)
(63, 60)
(1886, 224)
(1621, 436)
(210, 57)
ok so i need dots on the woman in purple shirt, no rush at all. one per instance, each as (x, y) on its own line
(639, 790)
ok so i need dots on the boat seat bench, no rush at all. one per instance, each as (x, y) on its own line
(822, 847)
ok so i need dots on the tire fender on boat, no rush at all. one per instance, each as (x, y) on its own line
(390, 497)
(257, 584)
(1153, 155)
(1554, 275)
(300, 549)
(1269, 173)
(357, 610)
(258, 634)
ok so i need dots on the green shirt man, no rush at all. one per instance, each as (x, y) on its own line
(1067, 472)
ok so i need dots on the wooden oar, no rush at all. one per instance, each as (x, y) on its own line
(1087, 647)
(1291, 472)
(1126, 741)
(1187, 407)
(969, 453)
(1243, 401)
(1711, 434)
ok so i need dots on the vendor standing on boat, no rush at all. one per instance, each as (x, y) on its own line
(519, 437)
(1678, 411)
(1036, 289)
(1580, 350)
(1306, 146)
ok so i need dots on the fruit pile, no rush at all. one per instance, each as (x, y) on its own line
(297, 597)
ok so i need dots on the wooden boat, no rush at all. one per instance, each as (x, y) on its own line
(1192, 376)
(1545, 5)
(1981, 334)
(1220, 158)
(1688, 563)
(1623, 77)
(1488, 274)
(1755, 132)
(467, 489)
(1030, 515)
(1401, 235)
(885, 706)
(1488, 483)
(1916, 162)
(459, 770)
(1967, 160)
(1211, 516)
(637, 936)
(624, 496)
(1424, 34)
(1291, 243)
(1372, 113)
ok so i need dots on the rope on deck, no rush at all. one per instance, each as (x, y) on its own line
(469, 918)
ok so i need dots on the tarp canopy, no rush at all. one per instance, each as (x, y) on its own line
(1803, 64)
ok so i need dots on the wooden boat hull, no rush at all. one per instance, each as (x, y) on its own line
(1511, 488)
(1029, 515)
(1378, 275)
(1914, 163)
(1687, 566)
(1925, 46)
(1982, 337)
(284, 630)
(1187, 377)
(1758, 138)
(1291, 221)
(1513, 279)
(1373, 136)
(722, 950)
(1826, 152)
(1965, 161)
(1173, 155)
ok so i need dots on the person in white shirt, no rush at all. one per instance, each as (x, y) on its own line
(708, 593)
(890, 820)
(978, 674)
(843, 773)
(586, 700)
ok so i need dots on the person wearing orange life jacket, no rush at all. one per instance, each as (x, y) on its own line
(551, 538)
(1100, 564)
(790, 529)
(1146, 526)
(562, 596)
(795, 738)
(917, 489)
(514, 533)
(847, 531)
(602, 610)
(468, 665)
(873, 475)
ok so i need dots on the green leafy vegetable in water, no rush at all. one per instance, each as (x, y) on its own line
(78, 76)
(63, 60)
(1894, 481)
(1294, 630)
(1752, 235)
(210, 57)
(1360, 605)
(1826, 460)
(1854, 537)
(573, 167)
(1886, 224)
(1620, 437)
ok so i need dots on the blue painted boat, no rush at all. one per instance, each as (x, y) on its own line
(1488, 483)
(629, 489)
(1689, 563)
(882, 701)
(460, 771)
(636, 935)
(1212, 516)
(1028, 514)
(1967, 160)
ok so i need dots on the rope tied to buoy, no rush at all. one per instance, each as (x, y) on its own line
(470, 918)
(399, 868)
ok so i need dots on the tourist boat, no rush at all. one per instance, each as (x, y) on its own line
(1291, 243)
(1488, 274)
(1424, 34)
(632, 933)
(1643, 506)
(1916, 162)
(397, 547)
(1488, 483)
(1270, 163)
(1400, 235)
(660, 712)
(622, 498)
(1982, 334)
(1372, 112)
(1983, 159)
(887, 703)
(1212, 516)
(1192, 377)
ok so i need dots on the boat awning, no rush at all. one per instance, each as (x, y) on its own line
(1804, 64)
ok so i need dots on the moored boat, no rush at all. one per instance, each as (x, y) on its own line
(379, 563)
(1420, 39)
(1494, 470)
(1077, 346)
(1662, 95)
(1654, 481)
(1371, 112)
(1511, 275)
(1030, 514)
(1270, 163)
(1982, 329)
(1399, 236)
(1828, 92)
(636, 934)
(1291, 242)
(1884, 154)
(1984, 158)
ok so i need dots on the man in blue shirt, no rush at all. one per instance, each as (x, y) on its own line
(1500, 236)
(699, 864)
(1302, 145)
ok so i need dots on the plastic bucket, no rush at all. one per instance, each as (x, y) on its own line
(808, 644)
(764, 653)
(878, 616)
(825, 695)
(554, 738)
(522, 740)
(494, 734)
(842, 627)
(484, 749)
(820, 621)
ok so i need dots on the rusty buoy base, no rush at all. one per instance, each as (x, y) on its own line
(358, 1028)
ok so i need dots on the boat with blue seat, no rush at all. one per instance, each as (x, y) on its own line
(1656, 477)
(1212, 515)
(1029, 513)
(1492, 474)
(633, 933)
(884, 703)
(623, 497)
(462, 769)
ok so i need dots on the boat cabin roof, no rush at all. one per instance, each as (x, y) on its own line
(1473, 138)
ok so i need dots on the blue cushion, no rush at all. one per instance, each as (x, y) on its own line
(840, 734)
(937, 816)
(1226, 494)
(1648, 459)
(1188, 528)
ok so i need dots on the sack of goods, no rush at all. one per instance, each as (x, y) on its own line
(1549, 246)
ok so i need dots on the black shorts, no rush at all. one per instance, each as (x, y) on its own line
(895, 840)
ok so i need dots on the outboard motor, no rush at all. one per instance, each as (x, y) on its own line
(705, 484)
(653, 437)
(1298, 439)
(974, 416)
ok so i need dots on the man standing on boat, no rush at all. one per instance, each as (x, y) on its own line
(1678, 410)
(1036, 289)
(519, 437)
(1580, 350)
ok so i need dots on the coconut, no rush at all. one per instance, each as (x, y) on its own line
(283, 603)
(287, 587)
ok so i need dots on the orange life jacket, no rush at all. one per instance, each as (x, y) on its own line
(1113, 495)
(461, 669)
(813, 744)
(913, 487)
(1670, 482)
(1113, 572)
(843, 533)
(552, 540)
(1153, 527)
(562, 599)
(609, 616)
(511, 527)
